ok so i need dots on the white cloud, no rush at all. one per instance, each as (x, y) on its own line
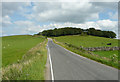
(28, 27)
(6, 21)
(107, 25)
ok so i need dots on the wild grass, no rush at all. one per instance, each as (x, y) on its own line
(30, 67)
(112, 61)
(14, 47)
(87, 41)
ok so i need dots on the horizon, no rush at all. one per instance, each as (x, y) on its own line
(57, 28)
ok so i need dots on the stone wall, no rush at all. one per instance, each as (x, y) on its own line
(101, 48)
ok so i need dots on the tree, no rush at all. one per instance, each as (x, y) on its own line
(77, 31)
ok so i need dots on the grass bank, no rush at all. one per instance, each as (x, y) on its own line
(30, 67)
(14, 47)
(113, 61)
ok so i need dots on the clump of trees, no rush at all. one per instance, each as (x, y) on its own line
(77, 31)
(107, 34)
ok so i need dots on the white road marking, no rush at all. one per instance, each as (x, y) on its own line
(51, 65)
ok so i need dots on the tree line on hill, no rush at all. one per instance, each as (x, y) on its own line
(77, 31)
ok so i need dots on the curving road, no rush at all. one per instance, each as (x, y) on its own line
(69, 66)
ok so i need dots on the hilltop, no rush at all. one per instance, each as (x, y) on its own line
(77, 31)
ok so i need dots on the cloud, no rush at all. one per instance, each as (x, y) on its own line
(58, 14)
(6, 21)
(9, 8)
(31, 27)
(107, 25)
(101, 24)
(27, 27)
(106, 5)
(74, 12)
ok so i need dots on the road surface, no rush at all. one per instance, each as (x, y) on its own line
(68, 66)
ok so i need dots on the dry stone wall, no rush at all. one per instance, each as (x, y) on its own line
(101, 48)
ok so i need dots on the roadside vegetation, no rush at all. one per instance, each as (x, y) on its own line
(73, 44)
(30, 65)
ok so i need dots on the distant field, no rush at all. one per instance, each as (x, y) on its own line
(14, 47)
(87, 41)
(107, 54)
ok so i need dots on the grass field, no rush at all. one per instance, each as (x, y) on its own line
(107, 54)
(87, 41)
(14, 47)
(24, 57)
(105, 57)
(30, 67)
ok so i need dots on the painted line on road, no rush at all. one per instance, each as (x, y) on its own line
(52, 76)
(85, 57)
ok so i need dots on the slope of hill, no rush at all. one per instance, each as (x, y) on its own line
(88, 41)
(14, 47)
(24, 57)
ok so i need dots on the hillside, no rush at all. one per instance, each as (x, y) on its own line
(14, 47)
(24, 57)
(88, 41)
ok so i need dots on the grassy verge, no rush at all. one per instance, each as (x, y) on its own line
(104, 60)
(14, 47)
(30, 67)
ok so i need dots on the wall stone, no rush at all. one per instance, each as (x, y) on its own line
(101, 48)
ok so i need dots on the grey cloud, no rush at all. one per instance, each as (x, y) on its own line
(74, 12)
(65, 12)
(108, 5)
(11, 7)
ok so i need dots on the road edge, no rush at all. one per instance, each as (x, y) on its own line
(47, 70)
(50, 62)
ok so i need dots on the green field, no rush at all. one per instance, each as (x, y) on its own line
(14, 47)
(107, 54)
(24, 57)
(87, 41)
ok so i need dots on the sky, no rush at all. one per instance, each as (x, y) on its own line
(20, 18)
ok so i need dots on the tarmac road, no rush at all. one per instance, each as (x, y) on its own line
(70, 66)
